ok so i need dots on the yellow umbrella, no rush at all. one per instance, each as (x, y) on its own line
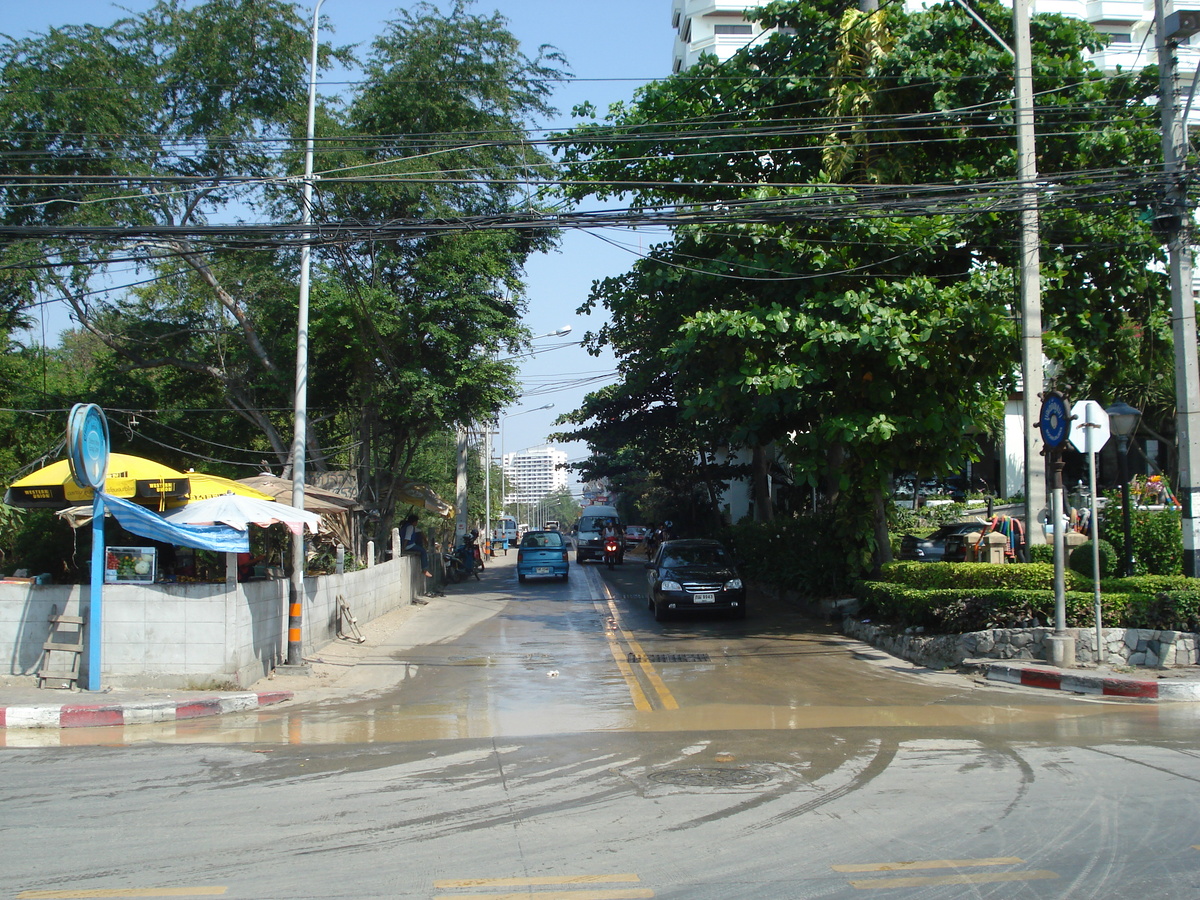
(131, 477)
(203, 486)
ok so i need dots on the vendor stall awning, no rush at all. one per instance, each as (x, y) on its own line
(149, 524)
(129, 477)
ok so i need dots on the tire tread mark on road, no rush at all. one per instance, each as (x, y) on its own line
(885, 753)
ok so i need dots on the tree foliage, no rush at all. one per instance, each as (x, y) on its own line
(187, 115)
(848, 289)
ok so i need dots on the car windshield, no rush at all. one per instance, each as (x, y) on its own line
(695, 556)
(542, 539)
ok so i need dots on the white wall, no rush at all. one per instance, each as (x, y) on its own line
(179, 635)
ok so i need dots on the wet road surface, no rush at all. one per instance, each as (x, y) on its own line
(552, 742)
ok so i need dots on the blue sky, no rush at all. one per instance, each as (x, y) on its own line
(612, 46)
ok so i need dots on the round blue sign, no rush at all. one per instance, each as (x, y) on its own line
(1055, 421)
(87, 445)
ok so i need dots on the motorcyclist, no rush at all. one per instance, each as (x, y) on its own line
(610, 531)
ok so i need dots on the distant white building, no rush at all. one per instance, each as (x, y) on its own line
(720, 27)
(533, 473)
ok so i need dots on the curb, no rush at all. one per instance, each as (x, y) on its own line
(134, 713)
(1104, 685)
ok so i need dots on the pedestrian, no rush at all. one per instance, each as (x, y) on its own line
(412, 540)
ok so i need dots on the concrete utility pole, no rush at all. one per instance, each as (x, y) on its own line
(1176, 215)
(295, 632)
(1032, 368)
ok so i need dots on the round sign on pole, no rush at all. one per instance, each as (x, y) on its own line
(1091, 431)
(87, 445)
(1054, 420)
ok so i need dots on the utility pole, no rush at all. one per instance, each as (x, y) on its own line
(1175, 214)
(1032, 368)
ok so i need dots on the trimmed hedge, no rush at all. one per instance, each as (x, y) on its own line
(954, 611)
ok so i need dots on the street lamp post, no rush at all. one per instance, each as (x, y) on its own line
(1123, 420)
(295, 632)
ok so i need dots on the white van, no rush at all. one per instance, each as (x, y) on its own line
(588, 543)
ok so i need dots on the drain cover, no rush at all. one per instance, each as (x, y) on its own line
(668, 657)
(710, 777)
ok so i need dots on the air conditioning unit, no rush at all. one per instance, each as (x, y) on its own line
(1181, 24)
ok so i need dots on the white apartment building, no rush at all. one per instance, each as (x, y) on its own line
(719, 27)
(533, 473)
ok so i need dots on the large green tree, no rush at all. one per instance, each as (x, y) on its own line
(841, 277)
(185, 116)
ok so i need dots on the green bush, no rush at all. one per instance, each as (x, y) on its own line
(1081, 560)
(803, 551)
(1041, 553)
(1157, 537)
(933, 576)
(954, 611)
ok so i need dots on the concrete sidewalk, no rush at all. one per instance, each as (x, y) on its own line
(341, 669)
(1178, 684)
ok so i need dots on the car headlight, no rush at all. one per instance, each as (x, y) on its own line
(734, 584)
(670, 586)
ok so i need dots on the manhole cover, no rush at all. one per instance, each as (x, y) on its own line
(710, 777)
(668, 657)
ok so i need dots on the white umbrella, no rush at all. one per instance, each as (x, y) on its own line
(240, 512)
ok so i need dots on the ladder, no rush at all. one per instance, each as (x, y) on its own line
(62, 652)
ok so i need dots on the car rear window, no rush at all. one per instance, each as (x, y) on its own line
(542, 539)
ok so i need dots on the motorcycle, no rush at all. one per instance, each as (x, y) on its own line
(452, 564)
(611, 551)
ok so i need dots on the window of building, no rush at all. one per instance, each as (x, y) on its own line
(733, 29)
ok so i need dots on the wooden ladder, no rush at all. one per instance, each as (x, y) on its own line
(66, 637)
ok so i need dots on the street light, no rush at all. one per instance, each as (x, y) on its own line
(1123, 420)
(295, 639)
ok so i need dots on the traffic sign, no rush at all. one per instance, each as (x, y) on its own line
(1054, 421)
(1091, 431)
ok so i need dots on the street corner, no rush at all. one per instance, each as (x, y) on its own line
(1157, 685)
(134, 711)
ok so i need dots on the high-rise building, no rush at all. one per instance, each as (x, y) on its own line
(719, 27)
(533, 473)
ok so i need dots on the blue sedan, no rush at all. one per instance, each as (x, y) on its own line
(542, 554)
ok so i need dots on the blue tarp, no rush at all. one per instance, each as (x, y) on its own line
(140, 520)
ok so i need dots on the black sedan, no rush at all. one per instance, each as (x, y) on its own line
(933, 548)
(694, 576)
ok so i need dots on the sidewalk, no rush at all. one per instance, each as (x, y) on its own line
(1178, 684)
(339, 670)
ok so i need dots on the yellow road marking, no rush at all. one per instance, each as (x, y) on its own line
(211, 891)
(656, 682)
(510, 882)
(639, 696)
(928, 864)
(634, 894)
(935, 880)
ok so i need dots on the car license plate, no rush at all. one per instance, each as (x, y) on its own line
(542, 570)
(704, 598)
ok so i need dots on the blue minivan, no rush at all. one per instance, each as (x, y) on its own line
(542, 554)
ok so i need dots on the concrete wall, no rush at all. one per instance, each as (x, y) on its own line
(1135, 647)
(177, 635)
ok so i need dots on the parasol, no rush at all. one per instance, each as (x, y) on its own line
(204, 487)
(424, 496)
(240, 512)
(129, 477)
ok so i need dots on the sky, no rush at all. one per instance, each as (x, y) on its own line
(612, 47)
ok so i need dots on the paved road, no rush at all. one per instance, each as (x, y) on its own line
(553, 741)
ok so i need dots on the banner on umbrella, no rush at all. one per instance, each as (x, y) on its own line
(142, 521)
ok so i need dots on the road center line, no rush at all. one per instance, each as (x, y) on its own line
(664, 694)
(909, 866)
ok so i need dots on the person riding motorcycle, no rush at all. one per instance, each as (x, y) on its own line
(611, 533)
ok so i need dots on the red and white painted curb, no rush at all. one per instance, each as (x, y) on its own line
(1104, 685)
(81, 716)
